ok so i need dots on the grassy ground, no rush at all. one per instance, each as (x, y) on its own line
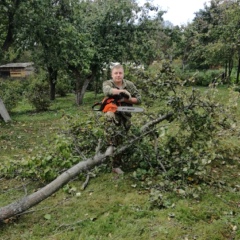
(110, 207)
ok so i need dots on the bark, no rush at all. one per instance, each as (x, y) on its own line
(78, 87)
(81, 85)
(238, 70)
(10, 27)
(81, 91)
(150, 124)
(9, 38)
(52, 81)
(29, 201)
(230, 66)
(225, 72)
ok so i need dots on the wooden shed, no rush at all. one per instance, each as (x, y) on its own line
(16, 70)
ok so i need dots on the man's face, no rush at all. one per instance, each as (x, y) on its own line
(117, 75)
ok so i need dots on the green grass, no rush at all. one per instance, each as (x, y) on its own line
(110, 207)
(29, 129)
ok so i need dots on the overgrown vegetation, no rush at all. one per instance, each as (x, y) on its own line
(108, 206)
(190, 156)
(11, 93)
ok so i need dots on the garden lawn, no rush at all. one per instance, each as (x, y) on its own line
(110, 207)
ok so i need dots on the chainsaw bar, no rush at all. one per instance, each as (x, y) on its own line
(129, 109)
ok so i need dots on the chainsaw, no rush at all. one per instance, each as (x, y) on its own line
(113, 104)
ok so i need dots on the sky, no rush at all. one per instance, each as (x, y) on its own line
(179, 11)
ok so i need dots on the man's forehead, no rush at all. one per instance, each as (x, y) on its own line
(117, 70)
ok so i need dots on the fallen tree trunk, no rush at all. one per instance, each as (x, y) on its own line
(29, 201)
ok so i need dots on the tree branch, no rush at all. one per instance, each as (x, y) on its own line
(25, 203)
(29, 201)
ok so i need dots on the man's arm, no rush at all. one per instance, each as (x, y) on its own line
(136, 96)
(108, 90)
(132, 100)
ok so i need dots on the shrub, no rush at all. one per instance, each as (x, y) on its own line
(63, 86)
(11, 93)
(77, 141)
(200, 78)
(38, 94)
(208, 77)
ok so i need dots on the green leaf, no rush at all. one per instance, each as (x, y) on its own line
(47, 216)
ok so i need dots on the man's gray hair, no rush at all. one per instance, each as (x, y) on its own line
(115, 64)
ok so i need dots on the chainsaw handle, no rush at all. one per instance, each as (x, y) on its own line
(97, 104)
(124, 95)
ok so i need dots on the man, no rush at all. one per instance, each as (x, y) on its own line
(118, 124)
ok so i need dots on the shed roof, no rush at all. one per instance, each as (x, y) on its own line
(17, 65)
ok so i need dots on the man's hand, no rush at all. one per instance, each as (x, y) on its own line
(126, 94)
(120, 92)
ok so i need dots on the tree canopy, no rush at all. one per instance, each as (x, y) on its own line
(79, 38)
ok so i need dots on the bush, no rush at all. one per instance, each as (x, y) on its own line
(78, 140)
(11, 93)
(201, 78)
(63, 86)
(208, 77)
(38, 94)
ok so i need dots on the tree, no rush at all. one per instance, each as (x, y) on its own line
(212, 38)
(221, 49)
(43, 33)
(115, 31)
(62, 36)
(230, 36)
(150, 38)
(70, 39)
(9, 24)
(113, 34)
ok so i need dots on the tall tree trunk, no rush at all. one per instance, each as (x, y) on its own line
(238, 69)
(9, 38)
(10, 28)
(230, 68)
(78, 86)
(81, 85)
(52, 82)
(184, 62)
(82, 91)
(225, 71)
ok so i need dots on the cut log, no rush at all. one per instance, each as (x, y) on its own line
(4, 112)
